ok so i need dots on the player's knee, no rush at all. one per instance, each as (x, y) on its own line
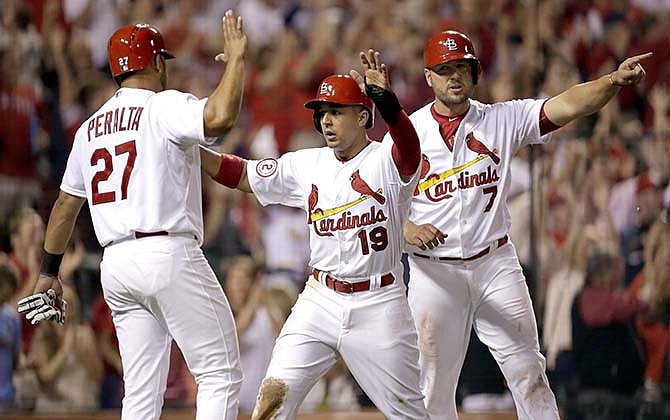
(270, 399)
(525, 372)
(428, 338)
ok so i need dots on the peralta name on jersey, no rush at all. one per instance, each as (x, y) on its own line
(110, 122)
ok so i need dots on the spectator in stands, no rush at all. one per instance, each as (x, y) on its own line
(24, 116)
(67, 362)
(609, 364)
(26, 234)
(111, 391)
(653, 284)
(649, 202)
(10, 337)
(246, 294)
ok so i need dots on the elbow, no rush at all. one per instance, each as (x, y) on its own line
(218, 123)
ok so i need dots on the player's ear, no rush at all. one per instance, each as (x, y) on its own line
(427, 75)
(363, 117)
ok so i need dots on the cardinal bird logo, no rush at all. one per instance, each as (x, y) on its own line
(479, 147)
(425, 168)
(311, 202)
(360, 186)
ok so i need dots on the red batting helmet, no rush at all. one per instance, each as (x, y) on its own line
(449, 46)
(133, 48)
(340, 89)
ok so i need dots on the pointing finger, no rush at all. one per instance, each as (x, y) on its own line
(634, 61)
(641, 57)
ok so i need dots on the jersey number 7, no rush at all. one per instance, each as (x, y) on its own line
(104, 173)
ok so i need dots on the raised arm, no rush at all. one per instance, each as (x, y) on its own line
(223, 105)
(225, 169)
(586, 98)
(406, 150)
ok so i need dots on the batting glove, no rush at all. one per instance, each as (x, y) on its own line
(43, 306)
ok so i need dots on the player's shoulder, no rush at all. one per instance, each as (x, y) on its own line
(506, 106)
(307, 155)
(421, 113)
(84, 126)
(172, 95)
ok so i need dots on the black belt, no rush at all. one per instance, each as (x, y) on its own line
(140, 235)
(346, 287)
(500, 242)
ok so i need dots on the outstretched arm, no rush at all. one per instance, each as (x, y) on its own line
(586, 98)
(406, 151)
(225, 169)
(223, 105)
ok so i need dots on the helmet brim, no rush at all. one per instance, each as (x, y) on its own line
(468, 56)
(317, 103)
(167, 54)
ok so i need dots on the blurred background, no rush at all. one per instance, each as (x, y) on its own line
(590, 210)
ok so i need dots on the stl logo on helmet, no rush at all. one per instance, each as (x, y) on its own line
(326, 89)
(451, 44)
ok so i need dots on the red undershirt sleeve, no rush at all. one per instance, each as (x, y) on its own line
(546, 125)
(406, 150)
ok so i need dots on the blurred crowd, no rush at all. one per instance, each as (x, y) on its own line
(590, 210)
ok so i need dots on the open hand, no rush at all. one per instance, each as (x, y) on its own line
(234, 38)
(376, 72)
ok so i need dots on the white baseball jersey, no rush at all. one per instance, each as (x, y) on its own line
(355, 209)
(136, 161)
(463, 193)
(472, 182)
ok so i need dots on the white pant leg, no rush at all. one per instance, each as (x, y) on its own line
(440, 300)
(171, 278)
(198, 316)
(303, 353)
(379, 345)
(505, 322)
(144, 345)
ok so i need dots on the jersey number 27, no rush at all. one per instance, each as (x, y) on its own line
(103, 154)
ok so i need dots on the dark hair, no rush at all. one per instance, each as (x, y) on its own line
(17, 218)
(9, 278)
(598, 264)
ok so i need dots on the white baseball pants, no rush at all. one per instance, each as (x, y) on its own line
(489, 293)
(160, 288)
(374, 334)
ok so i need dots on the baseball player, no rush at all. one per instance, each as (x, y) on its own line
(356, 196)
(137, 163)
(464, 271)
